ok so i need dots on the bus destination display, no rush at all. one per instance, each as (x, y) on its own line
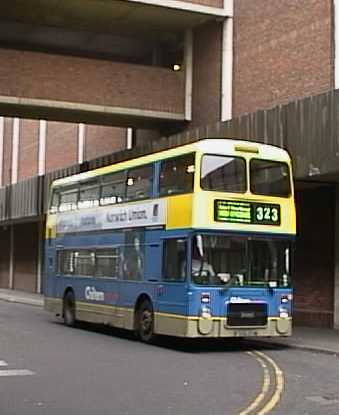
(253, 213)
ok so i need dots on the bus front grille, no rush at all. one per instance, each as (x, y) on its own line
(247, 314)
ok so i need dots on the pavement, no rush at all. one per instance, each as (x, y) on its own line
(312, 339)
(14, 296)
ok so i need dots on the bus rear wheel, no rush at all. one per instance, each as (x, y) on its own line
(69, 309)
(145, 322)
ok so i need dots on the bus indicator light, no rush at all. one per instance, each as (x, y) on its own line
(205, 298)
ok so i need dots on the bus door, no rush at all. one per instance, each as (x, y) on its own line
(133, 260)
(172, 291)
(108, 278)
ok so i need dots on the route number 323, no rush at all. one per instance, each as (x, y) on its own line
(266, 213)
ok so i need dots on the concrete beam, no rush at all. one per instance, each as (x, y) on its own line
(89, 114)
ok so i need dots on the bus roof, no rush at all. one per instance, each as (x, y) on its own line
(222, 146)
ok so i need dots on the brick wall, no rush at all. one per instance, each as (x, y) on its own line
(145, 137)
(61, 145)
(101, 140)
(282, 51)
(206, 74)
(25, 257)
(314, 261)
(4, 257)
(29, 148)
(90, 81)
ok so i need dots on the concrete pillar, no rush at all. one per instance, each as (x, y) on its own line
(188, 73)
(11, 257)
(42, 147)
(227, 70)
(81, 142)
(40, 258)
(129, 138)
(336, 43)
(336, 262)
(15, 150)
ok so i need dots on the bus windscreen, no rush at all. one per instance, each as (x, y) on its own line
(223, 173)
(270, 178)
(241, 261)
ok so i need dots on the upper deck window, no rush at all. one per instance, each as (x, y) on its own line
(176, 175)
(68, 199)
(54, 201)
(89, 194)
(270, 178)
(223, 174)
(139, 183)
(113, 188)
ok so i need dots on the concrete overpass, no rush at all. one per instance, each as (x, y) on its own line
(105, 62)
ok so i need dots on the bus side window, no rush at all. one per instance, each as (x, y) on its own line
(55, 200)
(107, 263)
(134, 256)
(65, 262)
(176, 175)
(84, 262)
(69, 199)
(139, 182)
(89, 194)
(113, 188)
(175, 260)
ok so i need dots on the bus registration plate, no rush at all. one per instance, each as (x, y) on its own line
(244, 333)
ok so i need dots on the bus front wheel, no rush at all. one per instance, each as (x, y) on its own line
(145, 322)
(69, 309)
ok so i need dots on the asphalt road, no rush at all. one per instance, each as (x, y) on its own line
(47, 368)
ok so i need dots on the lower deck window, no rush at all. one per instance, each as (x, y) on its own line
(175, 260)
(107, 263)
(103, 263)
(84, 262)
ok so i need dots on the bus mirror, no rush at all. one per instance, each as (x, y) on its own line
(200, 245)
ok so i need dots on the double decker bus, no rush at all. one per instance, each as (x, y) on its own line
(193, 241)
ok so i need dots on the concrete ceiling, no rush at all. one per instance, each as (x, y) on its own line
(107, 28)
(118, 17)
(64, 40)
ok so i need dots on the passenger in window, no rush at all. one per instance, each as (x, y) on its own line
(202, 271)
(134, 261)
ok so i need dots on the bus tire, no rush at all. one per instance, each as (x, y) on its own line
(145, 322)
(69, 309)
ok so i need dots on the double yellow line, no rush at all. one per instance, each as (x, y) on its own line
(269, 396)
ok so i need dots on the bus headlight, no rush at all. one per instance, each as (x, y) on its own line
(205, 311)
(283, 312)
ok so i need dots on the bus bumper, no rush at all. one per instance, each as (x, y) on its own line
(217, 327)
